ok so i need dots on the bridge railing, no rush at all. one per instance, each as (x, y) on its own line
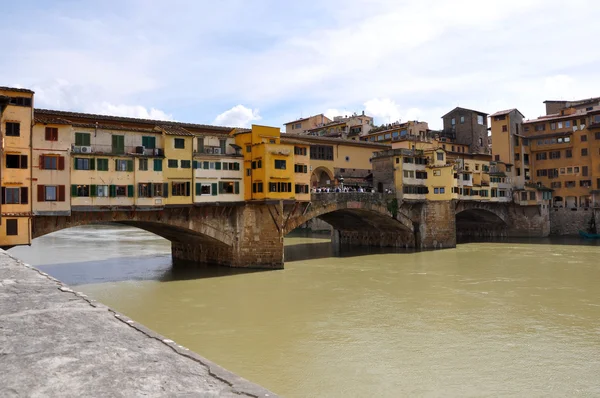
(373, 197)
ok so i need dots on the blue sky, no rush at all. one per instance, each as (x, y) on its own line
(235, 62)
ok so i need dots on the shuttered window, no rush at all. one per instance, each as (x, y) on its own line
(149, 142)
(12, 227)
(82, 139)
(118, 144)
(158, 164)
(51, 134)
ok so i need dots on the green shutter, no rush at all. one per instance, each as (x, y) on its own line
(213, 189)
(205, 165)
(157, 164)
(165, 189)
(130, 165)
(92, 164)
(218, 165)
(130, 191)
(112, 191)
(188, 188)
(86, 139)
(93, 190)
(198, 188)
(195, 164)
(237, 187)
(236, 166)
(75, 164)
(74, 191)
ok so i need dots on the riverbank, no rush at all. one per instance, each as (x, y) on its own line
(55, 341)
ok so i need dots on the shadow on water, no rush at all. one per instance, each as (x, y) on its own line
(568, 240)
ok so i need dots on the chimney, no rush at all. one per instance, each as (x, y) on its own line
(363, 113)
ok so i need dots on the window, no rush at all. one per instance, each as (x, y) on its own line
(555, 185)
(204, 189)
(82, 139)
(123, 165)
(584, 171)
(280, 164)
(504, 128)
(15, 196)
(280, 187)
(12, 227)
(223, 145)
(158, 164)
(84, 164)
(437, 173)
(540, 127)
(299, 151)
(180, 189)
(480, 119)
(51, 134)
(51, 162)
(569, 153)
(301, 188)
(576, 169)
(462, 120)
(20, 101)
(102, 191)
(415, 190)
(453, 121)
(149, 142)
(568, 123)
(142, 164)
(541, 156)
(160, 190)
(186, 164)
(248, 148)
(555, 155)
(531, 195)
(179, 143)
(120, 190)
(523, 196)
(16, 161)
(229, 187)
(201, 144)
(102, 164)
(118, 144)
(257, 187)
(440, 156)
(560, 125)
(248, 172)
(553, 126)
(583, 137)
(81, 191)
(272, 142)
(13, 129)
(584, 152)
(570, 184)
(172, 163)
(300, 168)
(409, 174)
(517, 156)
(321, 152)
(50, 193)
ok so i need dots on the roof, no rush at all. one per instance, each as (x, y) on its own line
(506, 112)
(113, 127)
(312, 138)
(463, 109)
(296, 121)
(67, 115)
(19, 90)
(174, 130)
(292, 141)
(49, 119)
(558, 116)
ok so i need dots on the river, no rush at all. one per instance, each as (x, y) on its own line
(484, 319)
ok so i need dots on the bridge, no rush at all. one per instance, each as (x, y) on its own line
(251, 234)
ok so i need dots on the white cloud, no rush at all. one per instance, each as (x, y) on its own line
(138, 111)
(385, 109)
(238, 116)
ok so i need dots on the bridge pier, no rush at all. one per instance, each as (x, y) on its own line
(436, 226)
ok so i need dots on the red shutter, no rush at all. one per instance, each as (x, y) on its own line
(61, 162)
(40, 193)
(48, 134)
(41, 162)
(61, 193)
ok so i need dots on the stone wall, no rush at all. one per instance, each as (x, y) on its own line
(383, 173)
(565, 221)
(372, 238)
(436, 226)
(528, 221)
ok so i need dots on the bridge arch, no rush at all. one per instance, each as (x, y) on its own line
(481, 220)
(320, 176)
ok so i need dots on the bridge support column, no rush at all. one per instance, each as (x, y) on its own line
(528, 221)
(200, 253)
(436, 228)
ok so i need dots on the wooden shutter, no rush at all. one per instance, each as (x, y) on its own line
(217, 165)
(61, 162)
(24, 191)
(165, 189)
(3, 195)
(73, 191)
(93, 190)
(158, 164)
(130, 190)
(23, 161)
(195, 164)
(130, 165)
(214, 188)
(237, 187)
(205, 165)
(40, 193)
(92, 163)
(75, 164)
(198, 189)
(187, 188)
(61, 193)
(112, 191)
(41, 165)
(48, 134)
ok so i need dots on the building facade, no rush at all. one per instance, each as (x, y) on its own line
(302, 125)
(467, 127)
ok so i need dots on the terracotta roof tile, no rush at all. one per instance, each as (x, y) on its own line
(19, 90)
(174, 130)
(49, 119)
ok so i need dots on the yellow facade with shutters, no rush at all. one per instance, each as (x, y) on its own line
(177, 167)
(16, 120)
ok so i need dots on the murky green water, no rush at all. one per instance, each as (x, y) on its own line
(485, 319)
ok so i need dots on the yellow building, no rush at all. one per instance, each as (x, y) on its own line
(177, 168)
(268, 164)
(16, 120)
(441, 182)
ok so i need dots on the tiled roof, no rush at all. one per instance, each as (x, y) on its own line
(49, 119)
(115, 119)
(19, 90)
(312, 138)
(504, 112)
(174, 130)
(558, 116)
(292, 141)
(113, 127)
(463, 109)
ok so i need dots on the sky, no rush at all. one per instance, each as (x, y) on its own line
(242, 62)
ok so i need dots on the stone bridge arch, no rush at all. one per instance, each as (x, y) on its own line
(481, 219)
(320, 175)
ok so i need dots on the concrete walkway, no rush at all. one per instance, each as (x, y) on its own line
(57, 342)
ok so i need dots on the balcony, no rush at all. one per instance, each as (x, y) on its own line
(112, 151)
